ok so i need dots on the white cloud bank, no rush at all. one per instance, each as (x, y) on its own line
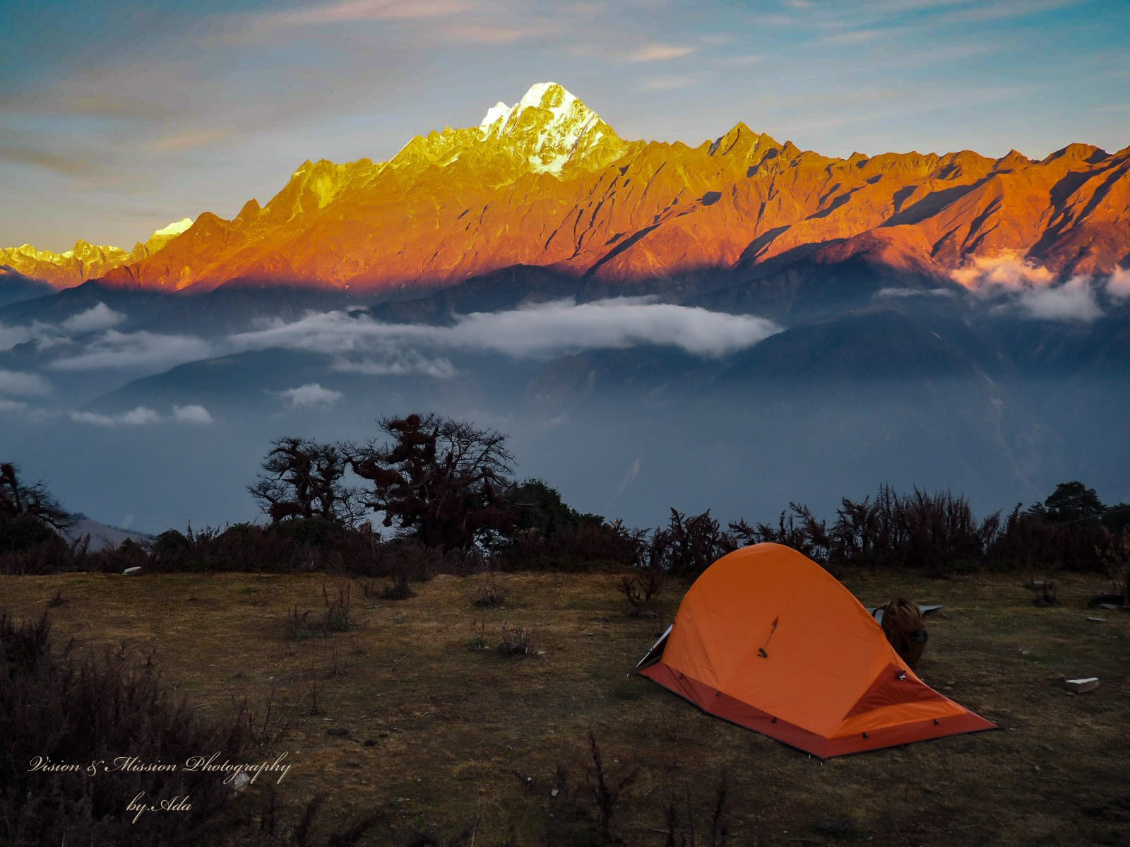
(1074, 300)
(1008, 270)
(311, 394)
(543, 330)
(1118, 285)
(94, 319)
(1033, 291)
(10, 336)
(144, 350)
(390, 360)
(145, 416)
(191, 414)
(21, 383)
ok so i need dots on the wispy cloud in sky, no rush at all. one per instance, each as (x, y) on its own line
(47, 160)
(669, 82)
(372, 10)
(659, 53)
(189, 139)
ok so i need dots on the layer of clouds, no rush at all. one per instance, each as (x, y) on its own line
(311, 394)
(1018, 285)
(538, 331)
(191, 414)
(1075, 300)
(46, 335)
(135, 350)
(390, 360)
(913, 292)
(659, 53)
(10, 336)
(145, 416)
(94, 319)
(139, 416)
(1008, 269)
(352, 11)
(23, 384)
(1118, 284)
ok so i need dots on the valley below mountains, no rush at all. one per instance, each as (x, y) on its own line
(733, 326)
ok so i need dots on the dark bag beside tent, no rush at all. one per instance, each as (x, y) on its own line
(902, 624)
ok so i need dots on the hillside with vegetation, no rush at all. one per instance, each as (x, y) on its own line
(443, 653)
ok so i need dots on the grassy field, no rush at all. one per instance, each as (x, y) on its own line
(413, 711)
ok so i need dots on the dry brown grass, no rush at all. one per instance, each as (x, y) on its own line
(434, 733)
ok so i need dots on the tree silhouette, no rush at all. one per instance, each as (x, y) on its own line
(18, 500)
(440, 481)
(304, 479)
(1071, 501)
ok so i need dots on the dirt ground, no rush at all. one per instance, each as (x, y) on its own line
(413, 710)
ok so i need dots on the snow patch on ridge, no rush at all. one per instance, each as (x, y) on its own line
(175, 228)
(499, 111)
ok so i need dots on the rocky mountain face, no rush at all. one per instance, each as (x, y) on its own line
(84, 261)
(63, 270)
(546, 182)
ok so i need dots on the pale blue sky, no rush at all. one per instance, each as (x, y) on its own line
(118, 117)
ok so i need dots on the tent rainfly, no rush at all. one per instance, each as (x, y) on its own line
(769, 640)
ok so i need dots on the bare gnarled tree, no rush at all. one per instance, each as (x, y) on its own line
(441, 481)
(304, 479)
(33, 501)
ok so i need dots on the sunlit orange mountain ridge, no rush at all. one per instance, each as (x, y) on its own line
(84, 261)
(546, 182)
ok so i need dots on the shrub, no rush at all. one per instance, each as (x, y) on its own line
(587, 806)
(515, 642)
(685, 824)
(398, 589)
(640, 588)
(590, 545)
(336, 618)
(491, 595)
(96, 710)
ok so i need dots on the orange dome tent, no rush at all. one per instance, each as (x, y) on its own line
(768, 639)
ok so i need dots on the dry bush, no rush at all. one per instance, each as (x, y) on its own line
(686, 827)
(1114, 552)
(640, 588)
(492, 595)
(516, 641)
(335, 618)
(97, 710)
(398, 589)
(590, 545)
(273, 831)
(586, 807)
(687, 545)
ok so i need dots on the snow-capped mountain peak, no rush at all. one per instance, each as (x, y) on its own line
(550, 126)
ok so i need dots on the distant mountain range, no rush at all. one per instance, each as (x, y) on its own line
(84, 261)
(547, 183)
(732, 326)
